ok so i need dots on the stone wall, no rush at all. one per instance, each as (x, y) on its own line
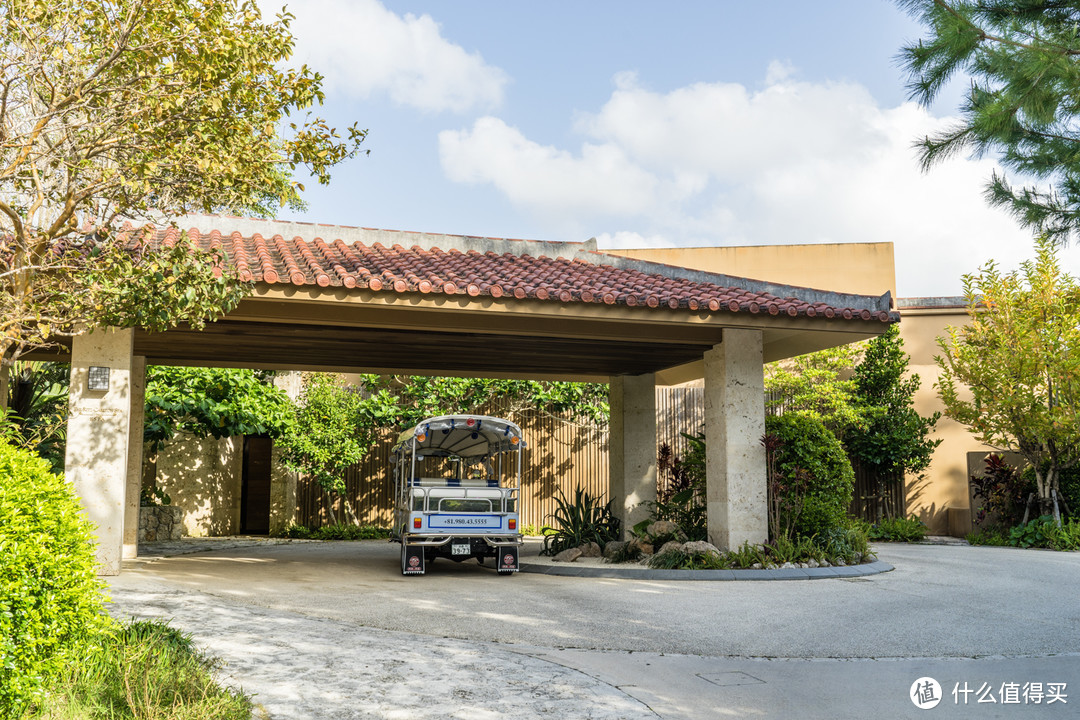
(160, 522)
(203, 476)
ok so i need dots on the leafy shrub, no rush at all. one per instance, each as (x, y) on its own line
(579, 521)
(1067, 537)
(146, 670)
(335, 532)
(1040, 532)
(682, 494)
(813, 473)
(847, 543)
(1069, 485)
(1003, 491)
(50, 597)
(898, 530)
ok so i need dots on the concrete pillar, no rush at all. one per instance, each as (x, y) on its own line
(135, 457)
(98, 437)
(632, 447)
(736, 487)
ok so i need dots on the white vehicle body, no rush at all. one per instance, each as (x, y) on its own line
(469, 509)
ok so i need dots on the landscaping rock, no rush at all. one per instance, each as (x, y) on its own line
(756, 566)
(672, 545)
(700, 547)
(825, 563)
(569, 555)
(811, 563)
(840, 562)
(858, 558)
(787, 566)
(614, 547)
(662, 527)
(642, 546)
(590, 550)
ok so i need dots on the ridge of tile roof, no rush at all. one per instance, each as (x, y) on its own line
(302, 254)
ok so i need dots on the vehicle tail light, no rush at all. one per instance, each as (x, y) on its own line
(512, 523)
(417, 523)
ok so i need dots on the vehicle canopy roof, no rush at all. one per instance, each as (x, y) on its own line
(464, 436)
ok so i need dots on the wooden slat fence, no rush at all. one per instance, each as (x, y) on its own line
(562, 456)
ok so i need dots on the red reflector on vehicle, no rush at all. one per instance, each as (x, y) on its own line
(417, 523)
(513, 524)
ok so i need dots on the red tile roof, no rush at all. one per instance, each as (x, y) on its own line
(601, 279)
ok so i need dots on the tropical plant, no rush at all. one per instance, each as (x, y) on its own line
(1022, 58)
(681, 492)
(37, 409)
(580, 520)
(1003, 491)
(1012, 374)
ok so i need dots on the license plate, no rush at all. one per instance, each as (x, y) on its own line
(460, 549)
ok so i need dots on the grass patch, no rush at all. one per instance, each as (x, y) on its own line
(145, 670)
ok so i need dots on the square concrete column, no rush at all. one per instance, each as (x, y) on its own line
(98, 436)
(736, 487)
(135, 457)
(632, 447)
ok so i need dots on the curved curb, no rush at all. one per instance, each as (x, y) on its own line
(641, 573)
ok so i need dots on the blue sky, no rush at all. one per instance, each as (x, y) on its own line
(646, 124)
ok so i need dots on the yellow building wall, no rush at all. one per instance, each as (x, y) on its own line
(865, 269)
(944, 485)
(861, 268)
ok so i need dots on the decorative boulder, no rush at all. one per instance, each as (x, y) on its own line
(661, 528)
(568, 555)
(700, 547)
(590, 550)
(642, 546)
(671, 545)
(614, 547)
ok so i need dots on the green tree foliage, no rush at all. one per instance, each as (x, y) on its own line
(211, 402)
(812, 472)
(1012, 374)
(336, 425)
(892, 436)
(421, 396)
(1023, 57)
(37, 409)
(50, 601)
(818, 385)
(140, 109)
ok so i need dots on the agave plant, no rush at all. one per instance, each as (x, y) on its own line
(584, 519)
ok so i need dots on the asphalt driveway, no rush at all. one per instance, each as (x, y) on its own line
(464, 642)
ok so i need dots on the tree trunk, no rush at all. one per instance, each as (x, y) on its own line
(330, 506)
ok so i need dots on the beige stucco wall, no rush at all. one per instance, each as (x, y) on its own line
(944, 485)
(203, 477)
(862, 268)
(282, 493)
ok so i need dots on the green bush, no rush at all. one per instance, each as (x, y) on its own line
(810, 458)
(898, 530)
(50, 597)
(335, 532)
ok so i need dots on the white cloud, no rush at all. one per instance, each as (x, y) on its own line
(363, 49)
(542, 178)
(721, 164)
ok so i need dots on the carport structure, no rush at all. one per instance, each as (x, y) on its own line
(336, 298)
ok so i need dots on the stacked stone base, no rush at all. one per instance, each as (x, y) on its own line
(160, 522)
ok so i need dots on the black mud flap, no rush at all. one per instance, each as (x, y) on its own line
(412, 560)
(507, 559)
